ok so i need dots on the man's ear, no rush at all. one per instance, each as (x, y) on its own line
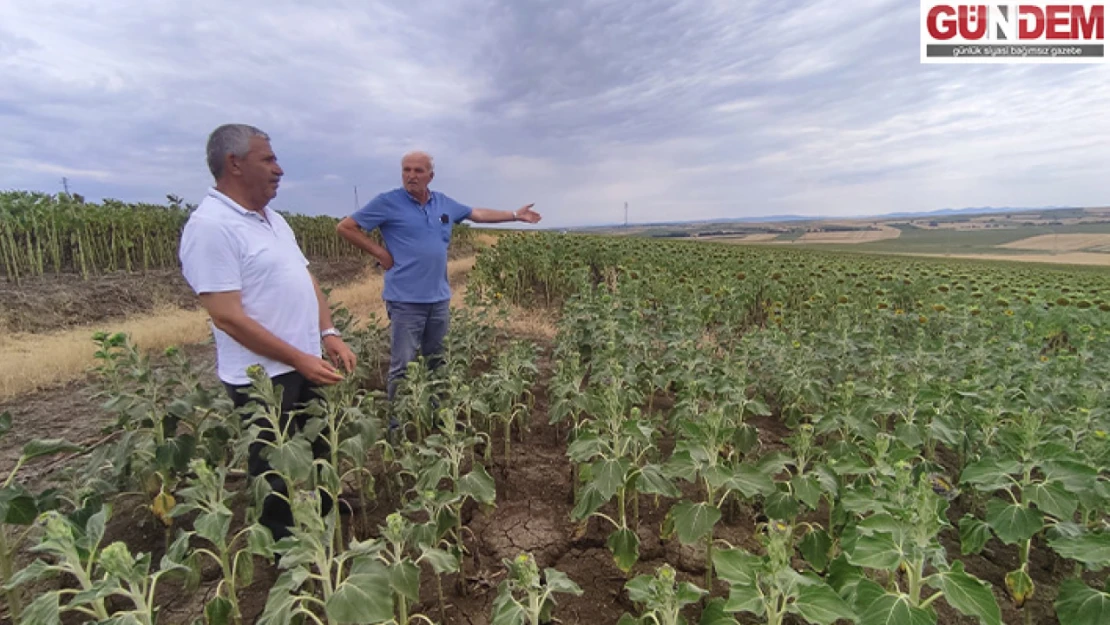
(232, 165)
(431, 175)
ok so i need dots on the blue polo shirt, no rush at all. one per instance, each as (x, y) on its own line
(417, 237)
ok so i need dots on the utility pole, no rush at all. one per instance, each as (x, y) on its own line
(65, 184)
(356, 198)
(626, 214)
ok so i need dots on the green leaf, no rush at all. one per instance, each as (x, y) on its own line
(589, 500)
(281, 600)
(969, 595)
(716, 476)
(94, 527)
(781, 506)
(292, 460)
(772, 464)
(1075, 476)
(974, 534)
(1091, 548)
(625, 547)
(364, 597)
(506, 611)
(35, 570)
(750, 481)
(815, 547)
(820, 604)
(213, 526)
(1053, 499)
(736, 566)
(557, 581)
(714, 614)
(441, 561)
(17, 506)
(244, 568)
(43, 610)
(744, 599)
(432, 473)
(890, 609)
(585, 448)
(641, 588)
(176, 453)
(652, 481)
(947, 429)
(404, 577)
(5, 423)
(1013, 523)
(99, 590)
(681, 466)
(807, 489)
(990, 474)
(909, 434)
(1079, 604)
(260, 541)
(694, 521)
(843, 575)
(609, 476)
(688, 593)
(878, 551)
(218, 611)
(353, 448)
(479, 485)
(48, 446)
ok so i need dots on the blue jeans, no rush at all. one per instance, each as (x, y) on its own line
(415, 327)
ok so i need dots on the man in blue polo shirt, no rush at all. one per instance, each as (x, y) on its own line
(416, 226)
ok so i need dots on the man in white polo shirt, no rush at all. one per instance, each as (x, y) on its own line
(243, 261)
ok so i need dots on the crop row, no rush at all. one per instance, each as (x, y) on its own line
(52, 234)
(935, 410)
(886, 421)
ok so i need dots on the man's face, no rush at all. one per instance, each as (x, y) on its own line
(259, 170)
(416, 173)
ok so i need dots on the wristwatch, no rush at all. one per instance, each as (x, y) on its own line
(330, 332)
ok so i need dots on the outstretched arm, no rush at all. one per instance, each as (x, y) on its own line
(491, 216)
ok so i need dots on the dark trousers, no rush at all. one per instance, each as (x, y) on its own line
(415, 328)
(297, 390)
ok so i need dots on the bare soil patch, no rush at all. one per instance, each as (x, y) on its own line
(1069, 258)
(1060, 242)
(851, 236)
(747, 238)
(56, 302)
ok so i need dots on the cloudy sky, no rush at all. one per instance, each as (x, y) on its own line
(685, 109)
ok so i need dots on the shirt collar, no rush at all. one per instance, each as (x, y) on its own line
(431, 196)
(235, 206)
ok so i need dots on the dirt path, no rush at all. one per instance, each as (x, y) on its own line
(61, 403)
(37, 361)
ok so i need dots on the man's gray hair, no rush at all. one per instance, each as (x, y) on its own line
(423, 155)
(230, 139)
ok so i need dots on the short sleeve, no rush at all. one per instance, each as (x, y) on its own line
(209, 257)
(373, 214)
(457, 210)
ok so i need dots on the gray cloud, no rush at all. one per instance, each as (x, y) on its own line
(683, 108)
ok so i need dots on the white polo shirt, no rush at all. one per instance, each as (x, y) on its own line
(225, 247)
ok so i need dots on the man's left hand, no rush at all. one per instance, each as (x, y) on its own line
(339, 354)
(525, 213)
